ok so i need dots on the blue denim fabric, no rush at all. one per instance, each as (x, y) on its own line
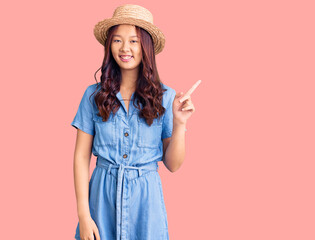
(125, 190)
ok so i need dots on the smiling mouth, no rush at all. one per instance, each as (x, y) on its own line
(125, 58)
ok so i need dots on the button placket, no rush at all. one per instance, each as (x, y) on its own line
(126, 144)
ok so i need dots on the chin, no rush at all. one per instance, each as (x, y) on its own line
(128, 68)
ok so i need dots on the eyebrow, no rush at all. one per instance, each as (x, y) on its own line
(120, 36)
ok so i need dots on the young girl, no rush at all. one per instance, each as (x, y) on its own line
(129, 121)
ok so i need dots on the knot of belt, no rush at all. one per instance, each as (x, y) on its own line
(120, 184)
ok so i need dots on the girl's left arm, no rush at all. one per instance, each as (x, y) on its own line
(174, 147)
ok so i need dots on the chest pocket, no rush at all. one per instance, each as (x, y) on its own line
(149, 136)
(105, 132)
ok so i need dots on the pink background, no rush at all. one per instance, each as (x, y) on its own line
(249, 167)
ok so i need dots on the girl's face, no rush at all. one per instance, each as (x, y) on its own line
(126, 47)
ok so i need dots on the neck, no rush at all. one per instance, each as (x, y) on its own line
(129, 80)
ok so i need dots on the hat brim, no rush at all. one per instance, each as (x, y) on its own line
(101, 28)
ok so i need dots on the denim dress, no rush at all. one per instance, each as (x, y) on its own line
(125, 191)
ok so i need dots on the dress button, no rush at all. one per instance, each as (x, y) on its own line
(125, 155)
(126, 134)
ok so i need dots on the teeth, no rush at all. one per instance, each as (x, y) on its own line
(125, 57)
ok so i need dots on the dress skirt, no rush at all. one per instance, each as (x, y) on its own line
(126, 202)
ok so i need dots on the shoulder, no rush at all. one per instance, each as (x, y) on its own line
(169, 94)
(91, 88)
(168, 88)
(89, 94)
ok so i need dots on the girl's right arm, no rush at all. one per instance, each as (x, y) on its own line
(81, 167)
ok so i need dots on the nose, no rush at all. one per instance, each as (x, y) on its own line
(125, 47)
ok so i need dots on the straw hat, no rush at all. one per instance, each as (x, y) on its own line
(135, 15)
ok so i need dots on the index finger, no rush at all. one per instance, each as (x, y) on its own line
(190, 91)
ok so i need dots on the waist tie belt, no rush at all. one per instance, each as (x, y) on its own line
(104, 163)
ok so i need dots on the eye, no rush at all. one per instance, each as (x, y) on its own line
(134, 41)
(115, 40)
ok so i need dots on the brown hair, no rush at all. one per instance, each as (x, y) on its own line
(148, 91)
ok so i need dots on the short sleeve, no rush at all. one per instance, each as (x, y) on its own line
(84, 116)
(168, 118)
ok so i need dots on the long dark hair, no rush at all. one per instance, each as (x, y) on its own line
(149, 91)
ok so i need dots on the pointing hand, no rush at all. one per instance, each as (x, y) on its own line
(183, 106)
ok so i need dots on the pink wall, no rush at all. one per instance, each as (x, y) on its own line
(249, 167)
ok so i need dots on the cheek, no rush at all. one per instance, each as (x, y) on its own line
(139, 53)
(139, 57)
(113, 49)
